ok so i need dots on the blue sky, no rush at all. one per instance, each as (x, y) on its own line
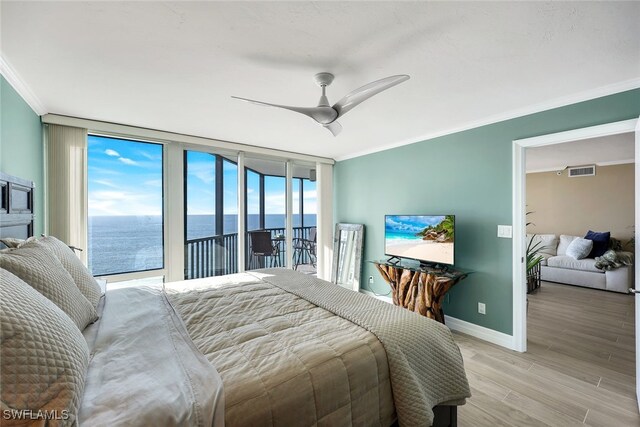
(125, 178)
(407, 223)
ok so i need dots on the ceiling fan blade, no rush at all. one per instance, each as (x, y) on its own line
(334, 127)
(321, 115)
(365, 92)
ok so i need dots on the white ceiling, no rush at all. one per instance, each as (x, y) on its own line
(174, 65)
(602, 151)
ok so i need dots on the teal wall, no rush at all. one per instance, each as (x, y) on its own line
(21, 148)
(467, 174)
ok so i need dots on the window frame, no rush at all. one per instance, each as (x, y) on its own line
(174, 208)
(139, 274)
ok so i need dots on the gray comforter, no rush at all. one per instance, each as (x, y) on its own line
(284, 344)
(425, 363)
(284, 361)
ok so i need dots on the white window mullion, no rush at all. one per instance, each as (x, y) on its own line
(324, 236)
(242, 226)
(174, 211)
(289, 215)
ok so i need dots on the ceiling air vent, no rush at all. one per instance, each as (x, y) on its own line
(582, 171)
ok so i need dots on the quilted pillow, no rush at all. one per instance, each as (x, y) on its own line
(579, 248)
(39, 268)
(80, 274)
(10, 242)
(44, 355)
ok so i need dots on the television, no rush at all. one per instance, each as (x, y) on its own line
(429, 239)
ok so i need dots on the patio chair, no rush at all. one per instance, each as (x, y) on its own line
(261, 247)
(305, 249)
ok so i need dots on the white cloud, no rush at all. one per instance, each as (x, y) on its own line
(114, 203)
(204, 171)
(112, 153)
(104, 171)
(128, 161)
(154, 183)
(275, 203)
(149, 155)
(310, 207)
(403, 226)
(105, 182)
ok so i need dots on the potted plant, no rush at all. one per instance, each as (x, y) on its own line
(533, 262)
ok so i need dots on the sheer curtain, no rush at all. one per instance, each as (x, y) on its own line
(66, 192)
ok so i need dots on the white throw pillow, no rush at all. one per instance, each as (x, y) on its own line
(579, 248)
(547, 244)
(10, 242)
(38, 267)
(565, 241)
(44, 355)
(80, 274)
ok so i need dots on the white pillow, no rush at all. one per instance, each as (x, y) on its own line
(10, 242)
(80, 274)
(44, 355)
(579, 248)
(547, 243)
(38, 267)
(565, 241)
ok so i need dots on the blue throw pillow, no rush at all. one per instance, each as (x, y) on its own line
(600, 242)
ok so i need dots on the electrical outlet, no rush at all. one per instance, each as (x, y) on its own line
(482, 309)
(371, 280)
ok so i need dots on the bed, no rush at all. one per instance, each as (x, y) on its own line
(270, 347)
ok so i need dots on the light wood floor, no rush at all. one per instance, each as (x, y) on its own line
(579, 368)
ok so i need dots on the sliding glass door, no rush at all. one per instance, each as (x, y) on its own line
(211, 213)
(305, 215)
(266, 213)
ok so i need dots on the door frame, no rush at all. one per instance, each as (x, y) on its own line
(519, 198)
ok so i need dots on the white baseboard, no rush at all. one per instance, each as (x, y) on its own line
(455, 324)
(477, 331)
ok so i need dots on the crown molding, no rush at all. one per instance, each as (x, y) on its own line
(21, 87)
(513, 114)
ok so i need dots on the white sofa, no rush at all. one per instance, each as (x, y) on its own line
(558, 267)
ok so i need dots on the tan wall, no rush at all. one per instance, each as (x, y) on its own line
(564, 205)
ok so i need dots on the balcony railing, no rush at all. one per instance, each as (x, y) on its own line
(218, 255)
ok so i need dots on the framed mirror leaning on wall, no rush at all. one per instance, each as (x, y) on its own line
(347, 255)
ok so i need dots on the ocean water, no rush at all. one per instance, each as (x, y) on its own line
(119, 244)
(397, 237)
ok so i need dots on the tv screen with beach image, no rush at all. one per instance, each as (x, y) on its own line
(423, 237)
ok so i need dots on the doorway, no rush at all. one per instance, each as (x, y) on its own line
(519, 218)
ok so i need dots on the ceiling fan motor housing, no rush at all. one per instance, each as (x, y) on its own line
(323, 79)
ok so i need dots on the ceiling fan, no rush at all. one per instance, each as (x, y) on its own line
(327, 115)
